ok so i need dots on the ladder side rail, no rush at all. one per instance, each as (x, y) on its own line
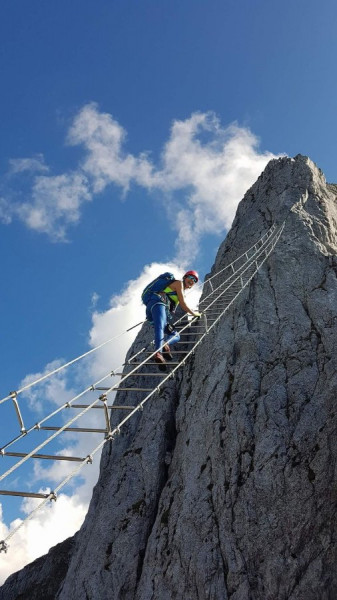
(269, 232)
(137, 367)
(251, 258)
(66, 405)
(250, 262)
(48, 440)
(116, 430)
(71, 362)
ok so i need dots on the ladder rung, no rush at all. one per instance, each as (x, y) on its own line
(224, 297)
(172, 352)
(170, 363)
(225, 294)
(223, 301)
(102, 407)
(75, 429)
(24, 494)
(132, 389)
(192, 327)
(119, 389)
(45, 456)
(183, 333)
(141, 374)
(100, 389)
(221, 297)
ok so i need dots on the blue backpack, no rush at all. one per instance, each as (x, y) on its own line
(157, 285)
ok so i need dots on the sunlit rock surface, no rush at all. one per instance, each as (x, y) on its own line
(225, 486)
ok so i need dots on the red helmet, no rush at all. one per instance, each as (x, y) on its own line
(192, 274)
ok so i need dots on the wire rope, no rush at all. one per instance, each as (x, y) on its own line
(241, 272)
(71, 362)
(53, 495)
(74, 360)
(112, 373)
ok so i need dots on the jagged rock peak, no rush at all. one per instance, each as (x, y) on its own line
(225, 486)
(287, 187)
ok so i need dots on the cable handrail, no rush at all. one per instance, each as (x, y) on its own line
(71, 421)
(257, 252)
(269, 232)
(48, 440)
(112, 433)
(68, 404)
(111, 373)
(52, 414)
(253, 257)
(71, 362)
(80, 357)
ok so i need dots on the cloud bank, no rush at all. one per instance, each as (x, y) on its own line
(204, 167)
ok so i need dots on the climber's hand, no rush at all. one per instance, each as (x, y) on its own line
(197, 314)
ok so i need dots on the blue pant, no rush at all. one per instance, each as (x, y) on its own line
(156, 313)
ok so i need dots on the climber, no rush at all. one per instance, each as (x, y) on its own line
(161, 298)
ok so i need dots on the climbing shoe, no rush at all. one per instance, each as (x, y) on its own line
(160, 360)
(167, 353)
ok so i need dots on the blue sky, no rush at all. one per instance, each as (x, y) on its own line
(130, 131)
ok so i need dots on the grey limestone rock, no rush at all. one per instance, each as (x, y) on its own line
(225, 486)
(41, 578)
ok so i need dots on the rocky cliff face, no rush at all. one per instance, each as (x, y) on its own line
(225, 487)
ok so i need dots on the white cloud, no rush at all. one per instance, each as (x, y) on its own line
(204, 167)
(213, 166)
(94, 300)
(55, 391)
(215, 172)
(5, 212)
(52, 524)
(32, 165)
(103, 138)
(55, 204)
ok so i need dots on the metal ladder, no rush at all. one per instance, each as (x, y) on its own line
(229, 284)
